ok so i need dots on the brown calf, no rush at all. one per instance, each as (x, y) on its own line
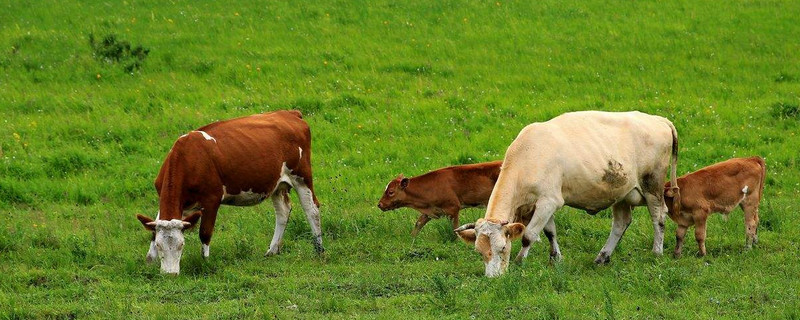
(442, 192)
(718, 188)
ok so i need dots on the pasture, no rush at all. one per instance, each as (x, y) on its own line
(387, 88)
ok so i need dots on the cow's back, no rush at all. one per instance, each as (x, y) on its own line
(250, 152)
(590, 158)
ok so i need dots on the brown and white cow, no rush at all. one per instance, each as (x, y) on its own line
(442, 192)
(588, 160)
(237, 162)
(718, 188)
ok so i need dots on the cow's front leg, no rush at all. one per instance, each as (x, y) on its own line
(207, 222)
(544, 218)
(550, 233)
(283, 208)
(421, 221)
(622, 219)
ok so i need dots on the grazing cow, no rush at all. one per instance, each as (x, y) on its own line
(718, 188)
(237, 162)
(588, 160)
(442, 192)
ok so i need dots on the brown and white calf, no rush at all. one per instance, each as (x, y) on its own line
(588, 160)
(442, 192)
(237, 162)
(718, 188)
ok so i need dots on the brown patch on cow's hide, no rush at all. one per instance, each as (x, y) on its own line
(650, 185)
(484, 246)
(614, 175)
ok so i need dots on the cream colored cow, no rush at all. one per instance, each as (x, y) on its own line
(588, 160)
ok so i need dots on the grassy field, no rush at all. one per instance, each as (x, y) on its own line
(387, 88)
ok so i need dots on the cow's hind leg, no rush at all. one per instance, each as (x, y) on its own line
(620, 223)
(750, 208)
(283, 208)
(658, 210)
(309, 203)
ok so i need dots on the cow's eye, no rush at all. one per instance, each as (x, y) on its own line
(391, 193)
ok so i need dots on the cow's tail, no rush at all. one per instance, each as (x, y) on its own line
(763, 175)
(674, 191)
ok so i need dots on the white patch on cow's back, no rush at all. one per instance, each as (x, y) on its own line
(301, 152)
(207, 136)
(744, 190)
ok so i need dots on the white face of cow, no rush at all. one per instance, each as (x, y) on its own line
(169, 244)
(493, 241)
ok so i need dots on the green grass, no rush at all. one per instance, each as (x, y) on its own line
(387, 88)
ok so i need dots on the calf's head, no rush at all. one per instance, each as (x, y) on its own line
(492, 239)
(169, 239)
(394, 195)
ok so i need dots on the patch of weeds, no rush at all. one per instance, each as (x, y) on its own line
(457, 103)
(80, 248)
(45, 239)
(445, 231)
(782, 110)
(769, 218)
(332, 305)
(115, 51)
(202, 68)
(465, 158)
(11, 194)
(9, 241)
(785, 77)
(559, 278)
(507, 288)
(443, 295)
(608, 305)
(69, 162)
(348, 100)
(243, 249)
(419, 253)
(306, 106)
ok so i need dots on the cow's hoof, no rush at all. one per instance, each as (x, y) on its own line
(271, 253)
(676, 255)
(555, 257)
(518, 260)
(602, 259)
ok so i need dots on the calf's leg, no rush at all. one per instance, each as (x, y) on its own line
(750, 208)
(421, 221)
(700, 235)
(679, 236)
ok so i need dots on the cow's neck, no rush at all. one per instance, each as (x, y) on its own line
(418, 194)
(172, 194)
(502, 205)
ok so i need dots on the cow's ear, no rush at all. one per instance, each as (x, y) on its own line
(514, 230)
(468, 236)
(191, 220)
(148, 223)
(403, 183)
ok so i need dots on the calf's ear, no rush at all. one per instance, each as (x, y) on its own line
(514, 230)
(404, 183)
(468, 236)
(148, 223)
(191, 220)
